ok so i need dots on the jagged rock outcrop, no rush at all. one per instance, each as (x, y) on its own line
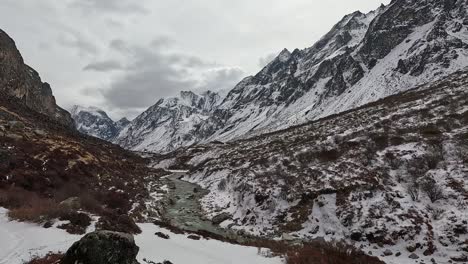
(390, 175)
(172, 123)
(103, 247)
(21, 81)
(95, 122)
(363, 58)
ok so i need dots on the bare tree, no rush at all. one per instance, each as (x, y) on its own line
(433, 190)
(413, 191)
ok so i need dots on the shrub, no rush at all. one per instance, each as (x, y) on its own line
(38, 211)
(117, 200)
(329, 155)
(432, 190)
(413, 191)
(326, 253)
(430, 131)
(15, 197)
(48, 259)
(76, 218)
(222, 185)
(118, 223)
(90, 203)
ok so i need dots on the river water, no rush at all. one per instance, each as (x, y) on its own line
(184, 209)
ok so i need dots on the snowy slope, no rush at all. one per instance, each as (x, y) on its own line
(171, 123)
(20, 241)
(391, 175)
(363, 58)
(95, 122)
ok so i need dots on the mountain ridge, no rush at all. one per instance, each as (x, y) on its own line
(23, 82)
(363, 58)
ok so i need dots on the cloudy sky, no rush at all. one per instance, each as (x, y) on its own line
(123, 55)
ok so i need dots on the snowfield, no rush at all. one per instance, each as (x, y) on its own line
(19, 242)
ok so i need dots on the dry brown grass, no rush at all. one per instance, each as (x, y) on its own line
(38, 211)
(326, 253)
(50, 258)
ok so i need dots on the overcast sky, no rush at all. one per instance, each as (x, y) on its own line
(123, 55)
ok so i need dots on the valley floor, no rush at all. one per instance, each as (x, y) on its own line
(20, 242)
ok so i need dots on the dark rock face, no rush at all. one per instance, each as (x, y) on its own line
(364, 57)
(172, 123)
(95, 122)
(343, 166)
(19, 80)
(103, 247)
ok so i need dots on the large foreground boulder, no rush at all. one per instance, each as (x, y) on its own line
(103, 247)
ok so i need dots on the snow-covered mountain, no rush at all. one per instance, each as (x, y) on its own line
(172, 123)
(363, 58)
(95, 122)
(390, 177)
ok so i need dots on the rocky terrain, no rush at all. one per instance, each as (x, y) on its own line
(390, 177)
(365, 57)
(95, 122)
(49, 170)
(21, 81)
(171, 123)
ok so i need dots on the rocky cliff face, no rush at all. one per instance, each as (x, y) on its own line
(95, 122)
(363, 58)
(172, 123)
(21, 81)
(389, 177)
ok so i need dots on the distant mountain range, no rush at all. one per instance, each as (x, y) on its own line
(363, 58)
(95, 122)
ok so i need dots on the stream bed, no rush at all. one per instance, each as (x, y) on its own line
(184, 209)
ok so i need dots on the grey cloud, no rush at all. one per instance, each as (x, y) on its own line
(113, 6)
(77, 41)
(119, 45)
(150, 76)
(154, 74)
(103, 66)
(223, 79)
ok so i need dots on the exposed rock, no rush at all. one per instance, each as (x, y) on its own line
(20, 81)
(220, 218)
(162, 235)
(194, 237)
(95, 122)
(40, 132)
(118, 223)
(15, 125)
(363, 58)
(103, 247)
(388, 252)
(71, 203)
(413, 256)
(301, 184)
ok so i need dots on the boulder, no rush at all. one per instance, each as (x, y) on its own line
(388, 252)
(40, 132)
(194, 237)
(413, 256)
(16, 125)
(220, 218)
(71, 203)
(103, 247)
(162, 235)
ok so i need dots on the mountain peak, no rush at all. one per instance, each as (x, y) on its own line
(284, 55)
(95, 122)
(24, 83)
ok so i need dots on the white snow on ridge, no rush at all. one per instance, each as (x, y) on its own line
(19, 242)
